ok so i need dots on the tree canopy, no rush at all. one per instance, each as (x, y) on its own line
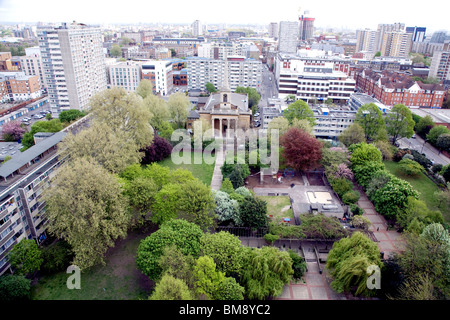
(145, 88)
(370, 118)
(399, 122)
(301, 150)
(179, 107)
(85, 207)
(25, 257)
(299, 110)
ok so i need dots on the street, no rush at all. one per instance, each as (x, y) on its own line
(419, 145)
(268, 90)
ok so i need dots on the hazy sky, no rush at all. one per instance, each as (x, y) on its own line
(432, 14)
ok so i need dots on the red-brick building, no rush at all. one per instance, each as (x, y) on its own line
(392, 88)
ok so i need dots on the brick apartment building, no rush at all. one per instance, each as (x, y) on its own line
(392, 88)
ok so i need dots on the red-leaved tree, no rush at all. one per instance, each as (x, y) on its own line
(301, 150)
(157, 151)
(12, 131)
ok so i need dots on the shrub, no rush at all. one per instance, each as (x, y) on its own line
(445, 172)
(286, 231)
(363, 152)
(410, 167)
(321, 227)
(385, 149)
(14, 287)
(356, 210)
(56, 257)
(400, 153)
(341, 186)
(361, 222)
(253, 212)
(298, 264)
(421, 159)
(270, 238)
(408, 156)
(364, 173)
(351, 197)
(436, 168)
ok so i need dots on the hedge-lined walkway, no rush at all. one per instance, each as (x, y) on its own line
(389, 241)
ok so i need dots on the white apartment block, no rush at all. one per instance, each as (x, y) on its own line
(389, 27)
(241, 72)
(160, 73)
(330, 123)
(197, 28)
(126, 74)
(273, 30)
(220, 50)
(309, 78)
(288, 36)
(73, 62)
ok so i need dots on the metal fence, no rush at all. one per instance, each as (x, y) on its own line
(244, 231)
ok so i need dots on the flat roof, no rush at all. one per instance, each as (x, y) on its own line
(438, 115)
(28, 155)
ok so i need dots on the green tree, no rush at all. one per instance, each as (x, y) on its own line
(424, 126)
(166, 203)
(179, 107)
(125, 41)
(115, 51)
(302, 124)
(299, 110)
(85, 207)
(14, 287)
(266, 271)
(352, 135)
(26, 257)
(298, 264)
(378, 54)
(253, 212)
(210, 87)
(184, 235)
(225, 249)
(40, 126)
(207, 278)
(173, 262)
(141, 193)
(124, 113)
(365, 172)
(280, 123)
(436, 132)
(171, 288)
(443, 142)
(70, 115)
(348, 262)
(363, 152)
(159, 109)
(145, 88)
(399, 122)
(227, 209)
(410, 167)
(101, 144)
(252, 95)
(370, 118)
(165, 130)
(197, 204)
(227, 186)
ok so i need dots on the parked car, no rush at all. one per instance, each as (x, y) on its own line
(413, 136)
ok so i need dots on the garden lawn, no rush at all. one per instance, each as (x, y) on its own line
(421, 183)
(203, 171)
(275, 205)
(118, 279)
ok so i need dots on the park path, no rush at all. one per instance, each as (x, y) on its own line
(216, 181)
(388, 241)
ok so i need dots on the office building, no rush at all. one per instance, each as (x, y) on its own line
(220, 50)
(126, 74)
(73, 62)
(310, 78)
(418, 33)
(330, 123)
(288, 36)
(160, 73)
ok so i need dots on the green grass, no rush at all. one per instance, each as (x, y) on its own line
(118, 279)
(203, 171)
(275, 204)
(421, 183)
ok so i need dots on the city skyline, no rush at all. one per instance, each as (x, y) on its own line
(348, 14)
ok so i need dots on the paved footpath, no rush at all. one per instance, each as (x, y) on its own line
(389, 241)
(216, 181)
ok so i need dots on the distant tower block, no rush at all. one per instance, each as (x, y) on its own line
(306, 30)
